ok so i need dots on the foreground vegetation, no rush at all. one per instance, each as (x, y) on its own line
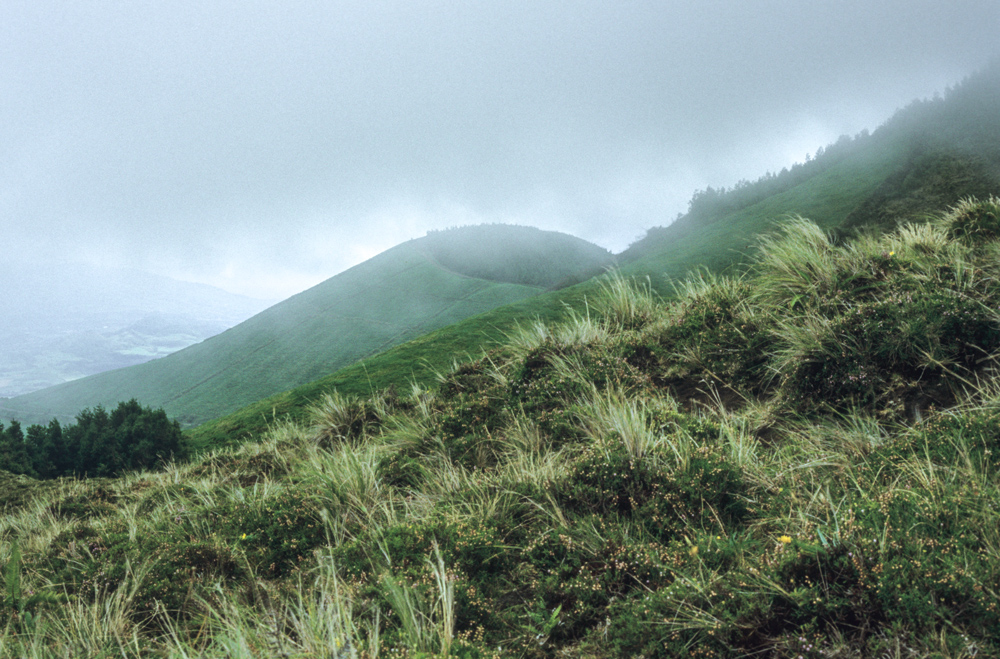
(796, 462)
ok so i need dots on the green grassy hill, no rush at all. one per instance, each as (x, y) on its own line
(927, 157)
(403, 293)
(796, 460)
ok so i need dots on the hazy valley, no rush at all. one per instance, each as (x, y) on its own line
(64, 323)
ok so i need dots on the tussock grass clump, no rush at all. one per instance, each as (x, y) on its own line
(711, 337)
(626, 304)
(796, 461)
(974, 222)
(337, 418)
(797, 266)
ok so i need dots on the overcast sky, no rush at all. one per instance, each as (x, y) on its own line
(265, 146)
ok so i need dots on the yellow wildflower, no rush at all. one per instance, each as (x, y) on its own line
(785, 539)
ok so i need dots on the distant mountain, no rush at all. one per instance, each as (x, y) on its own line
(64, 322)
(402, 293)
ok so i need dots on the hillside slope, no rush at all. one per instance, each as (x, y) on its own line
(395, 296)
(927, 157)
(798, 461)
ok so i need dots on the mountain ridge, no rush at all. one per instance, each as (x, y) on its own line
(389, 298)
(866, 175)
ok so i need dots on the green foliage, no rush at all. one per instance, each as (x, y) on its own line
(179, 569)
(276, 534)
(97, 501)
(14, 455)
(899, 348)
(624, 304)
(246, 469)
(713, 336)
(419, 361)
(98, 444)
(18, 604)
(664, 495)
(975, 222)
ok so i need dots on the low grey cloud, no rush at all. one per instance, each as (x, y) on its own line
(263, 147)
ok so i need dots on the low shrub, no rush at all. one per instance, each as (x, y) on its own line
(276, 534)
(173, 570)
(95, 502)
(664, 497)
(895, 351)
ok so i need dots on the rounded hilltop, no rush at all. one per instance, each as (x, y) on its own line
(516, 254)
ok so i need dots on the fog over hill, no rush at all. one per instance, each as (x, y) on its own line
(261, 147)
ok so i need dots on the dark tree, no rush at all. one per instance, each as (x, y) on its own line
(98, 444)
(14, 456)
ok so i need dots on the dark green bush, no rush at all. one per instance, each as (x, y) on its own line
(895, 350)
(682, 620)
(97, 501)
(277, 534)
(665, 500)
(467, 424)
(730, 346)
(476, 555)
(567, 570)
(178, 569)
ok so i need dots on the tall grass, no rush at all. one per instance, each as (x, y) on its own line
(626, 304)
(796, 266)
(427, 616)
(640, 425)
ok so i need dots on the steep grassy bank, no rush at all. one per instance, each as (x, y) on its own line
(796, 461)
